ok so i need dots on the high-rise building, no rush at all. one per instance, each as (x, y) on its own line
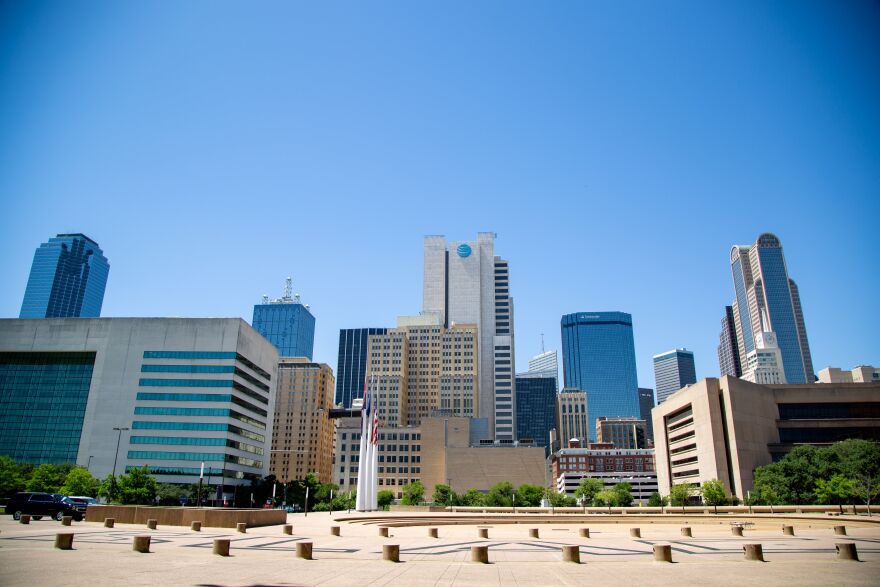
(622, 432)
(728, 348)
(673, 370)
(599, 357)
(465, 283)
(860, 374)
(68, 278)
(767, 300)
(351, 367)
(536, 409)
(764, 363)
(303, 438)
(287, 323)
(543, 365)
(572, 415)
(646, 404)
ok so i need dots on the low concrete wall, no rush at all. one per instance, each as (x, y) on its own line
(417, 508)
(171, 516)
(738, 509)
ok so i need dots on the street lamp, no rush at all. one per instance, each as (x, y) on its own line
(116, 457)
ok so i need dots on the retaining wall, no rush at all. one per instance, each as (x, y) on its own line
(179, 516)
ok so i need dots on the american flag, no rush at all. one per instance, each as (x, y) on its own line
(374, 438)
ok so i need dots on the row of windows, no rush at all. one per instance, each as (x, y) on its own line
(192, 456)
(207, 355)
(190, 441)
(218, 426)
(199, 397)
(214, 412)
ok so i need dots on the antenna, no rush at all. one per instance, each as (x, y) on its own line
(542, 343)
(288, 287)
(265, 299)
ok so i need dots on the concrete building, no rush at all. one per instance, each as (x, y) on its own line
(764, 363)
(287, 323)
(465, 283)
(536, 409)
(571, 415)
(622, 432)
(67, 280)
(351, 365)
(303, 438)
(609, 464)
(543, 365)
(673, 370)
(726, 428)
(646, 404)
(728, 348)
(859, 374)
(170, 393)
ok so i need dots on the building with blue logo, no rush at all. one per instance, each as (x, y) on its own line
(287, 323)
(598, 357)
(67, 280)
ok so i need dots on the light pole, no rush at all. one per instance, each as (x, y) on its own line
(89, 464)
(115, 458)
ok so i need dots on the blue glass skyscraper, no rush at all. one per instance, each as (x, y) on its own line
(673, 370)
(598, 356)
(351, 367)
(536, 408)
(287, 324)
(68, 278)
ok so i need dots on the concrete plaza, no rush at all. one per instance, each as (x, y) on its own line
(265, 556)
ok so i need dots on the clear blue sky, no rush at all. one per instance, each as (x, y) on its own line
(618, 149)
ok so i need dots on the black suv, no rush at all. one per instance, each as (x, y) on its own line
(39, 505)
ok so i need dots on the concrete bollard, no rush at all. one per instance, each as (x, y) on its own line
(304, 550)
(24, 519)
(839, 530)
(241, 527)
(483, 532)
(663, 553)
(480, 554)
(66, 520)
(334, 530)
(383, 531)
(585, 532)
(788, 530)
(737, 530)
(151, 524)
(571, 553)
(391, 552)
(635, 532)
(846, 551)
(195, 526)
(140, 544)
(109, 522)
(288, 529)
(64, 541)
(432, 533)
(533, 533)
(753, 552)
(686, 531)
(221, 546)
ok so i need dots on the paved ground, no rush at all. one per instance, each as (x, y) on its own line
(264, 556)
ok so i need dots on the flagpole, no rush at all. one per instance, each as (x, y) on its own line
(361, 499)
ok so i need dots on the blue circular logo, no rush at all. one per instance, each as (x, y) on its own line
(464, 250)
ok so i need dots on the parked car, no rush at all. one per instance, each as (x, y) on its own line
(80, 502)
(41, 504)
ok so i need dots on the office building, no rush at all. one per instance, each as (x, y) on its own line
(726, 428)
(465, 283)
(287, 323)
(67, 280)
(646, 404)
(536, 409)
(351, 366)
(622, 432)
(303, 438)
(764, 363)
(609, 464)
(599, 357)
(543, 365)
(673, 370)
(728, 349)
(170, 393)
(860, 374)
(767, 300)
(572, 415)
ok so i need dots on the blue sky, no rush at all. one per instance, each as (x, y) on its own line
(618, 149)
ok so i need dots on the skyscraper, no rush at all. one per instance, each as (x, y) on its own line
(572, 415)
(286, 323)
(728, 349)
(543, 365)
(464, 282)
(764, 363)
(68, 278)
(767, 300)
(351, 367)
(673, 370)
(646, 404)
(536, 409)
(599, 357)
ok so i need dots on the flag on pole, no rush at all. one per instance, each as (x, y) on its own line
(366, 478)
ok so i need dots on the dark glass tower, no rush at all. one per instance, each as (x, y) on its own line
(599, 357)
(646, 404)
(351, 366)
(536, 409)
(68, 278)
(728, 348)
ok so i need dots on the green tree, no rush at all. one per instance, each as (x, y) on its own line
(769, 495)
(836, 490)
(384, 498)
(170, 493)
(137, 487)
(587, 490)
(344, 501)
(528, 495)
(866, 488)
(500, 495)
(473, 498)
(48, 478)
(413, 493)
(605, 497)
(714, 493)
(80, 482)
(443, 495)
(680, 494)
(108, 489)
(13, 477)
(622, 495)
(656, 500)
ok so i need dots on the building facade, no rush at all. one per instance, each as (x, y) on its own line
(303, 438)
(646, 404)
(764, 364)
(608, 464)
(536, 409)
(767, 300)
(543, 365)
(673, 370)
(626, 433)
(170, 393)
(859, 374)
(351, 366)
(287, 323)
(725, 428)
(599, 357)
(728, 348)
(465, 283)
(67, 280)
(572, 415)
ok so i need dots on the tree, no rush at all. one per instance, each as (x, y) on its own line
(529, 495)
(170, 493)
(605, 497)
(587, 490)
(500, 495)
(444, 495)
(657, 500)
(769, 495)
(80, 482)
(137, 486)
(413, 493)
(714, 493)
(109, 488)
(622, 495)
(384, 498)
(680, 494)
(48, 478)
(836, 490)
(13, 477)
(473, 498)
(866, 488)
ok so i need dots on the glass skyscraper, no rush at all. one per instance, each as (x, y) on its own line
(673, 370)
(68, 278)
(536, 409)
(287, 324)
(351, 367)
(728, 349)
(598, 356)
(646, 404)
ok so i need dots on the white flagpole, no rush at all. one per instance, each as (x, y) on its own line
(374, 456)
(362, 484)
